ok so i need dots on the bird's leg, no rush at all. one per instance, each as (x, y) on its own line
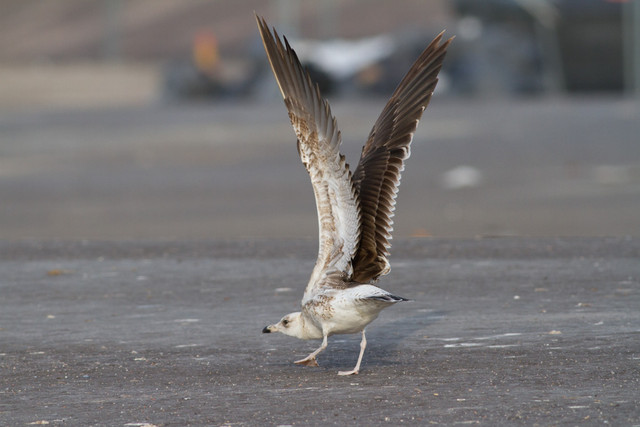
(310, 360)
(363, 345)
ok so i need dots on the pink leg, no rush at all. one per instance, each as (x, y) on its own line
(310, 360)
(363, 345)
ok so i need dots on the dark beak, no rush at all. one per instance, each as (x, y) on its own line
(266, 330)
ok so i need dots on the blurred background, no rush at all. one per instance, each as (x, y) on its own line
(160, 119)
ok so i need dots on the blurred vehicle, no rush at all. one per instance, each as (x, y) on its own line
(502, 48)
(205, 74)
(369, 65)
(524, 46)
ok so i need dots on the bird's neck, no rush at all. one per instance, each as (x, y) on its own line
(309, 330)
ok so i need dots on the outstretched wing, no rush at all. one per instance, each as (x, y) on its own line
(377, 176)
(318, 146)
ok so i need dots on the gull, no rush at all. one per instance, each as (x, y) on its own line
(354, 209)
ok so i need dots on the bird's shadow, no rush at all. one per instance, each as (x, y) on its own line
(384, 341)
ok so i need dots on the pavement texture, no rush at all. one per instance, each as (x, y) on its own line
(503, 331)
(533, 167)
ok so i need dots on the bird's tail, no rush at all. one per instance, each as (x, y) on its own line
(389, 298)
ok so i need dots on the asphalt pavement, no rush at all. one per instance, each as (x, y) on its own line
(501, 331)
(143, 249)
(478, 167)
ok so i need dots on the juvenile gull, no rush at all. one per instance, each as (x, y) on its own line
(354, 210)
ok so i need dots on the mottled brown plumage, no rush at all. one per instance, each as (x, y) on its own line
(377, 176)
(354, 211)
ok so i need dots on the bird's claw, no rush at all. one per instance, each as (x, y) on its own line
(354, 372)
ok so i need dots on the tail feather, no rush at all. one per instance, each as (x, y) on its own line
(388, 298)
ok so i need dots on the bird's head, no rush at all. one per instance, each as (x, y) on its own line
(291, 324)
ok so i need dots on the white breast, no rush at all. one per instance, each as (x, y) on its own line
(345, 311)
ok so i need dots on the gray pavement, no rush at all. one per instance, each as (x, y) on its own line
(503, 331)
(548, 167)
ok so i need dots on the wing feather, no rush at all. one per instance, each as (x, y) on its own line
(318, 145)
(378, 174)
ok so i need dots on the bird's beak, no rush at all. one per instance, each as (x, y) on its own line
(269, 329)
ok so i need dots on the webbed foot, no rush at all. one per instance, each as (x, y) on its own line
(307, 362)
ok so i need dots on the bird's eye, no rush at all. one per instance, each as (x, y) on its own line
(285, 322)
